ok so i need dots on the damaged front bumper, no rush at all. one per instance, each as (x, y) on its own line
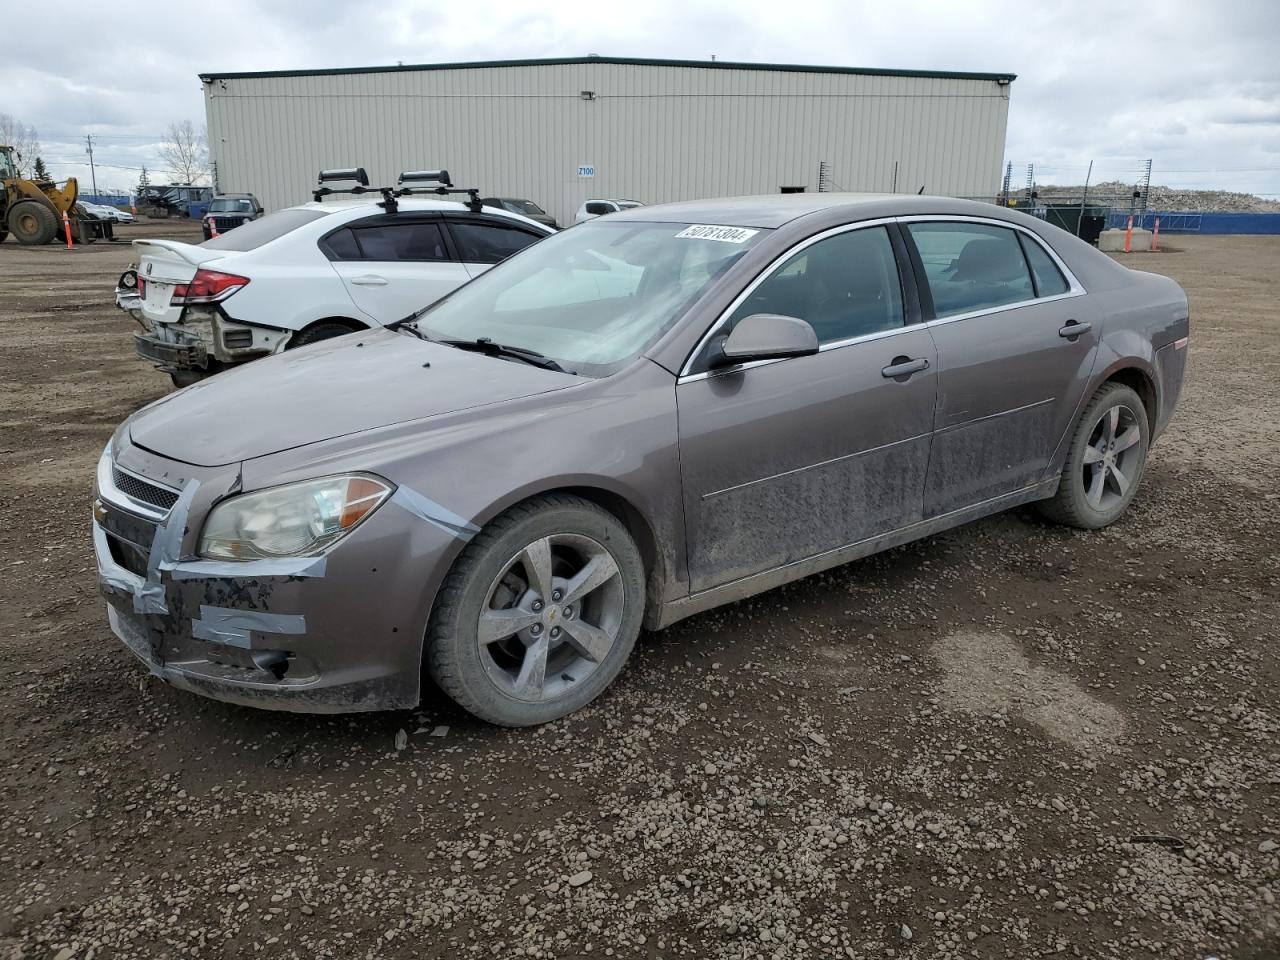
(326, 634)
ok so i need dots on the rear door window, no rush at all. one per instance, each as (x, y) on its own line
(480, 241)
(971, 266)
(341, 245)
(1049, 279)
(402, 240)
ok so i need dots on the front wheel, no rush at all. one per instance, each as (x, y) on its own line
(1105, 461)
(32, 223)
(539, 614)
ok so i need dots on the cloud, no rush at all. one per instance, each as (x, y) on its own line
(1194, 86)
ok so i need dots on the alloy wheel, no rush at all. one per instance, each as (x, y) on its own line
(550, 617)
(1112, 457)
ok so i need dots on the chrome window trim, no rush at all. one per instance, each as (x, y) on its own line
(686, 377)
(1075, 289)
(833, 345)
(109, 492)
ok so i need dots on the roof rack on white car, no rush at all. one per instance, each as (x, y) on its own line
(391, 194)
(446, 186)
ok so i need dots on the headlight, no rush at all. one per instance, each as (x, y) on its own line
(295, 520)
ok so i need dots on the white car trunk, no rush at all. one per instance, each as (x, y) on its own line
(162, 265)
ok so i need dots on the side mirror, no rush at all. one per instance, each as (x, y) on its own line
(766, 336)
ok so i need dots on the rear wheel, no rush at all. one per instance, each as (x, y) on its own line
(321, 331)
(1105, 461)
(32, 222)
(539, 614)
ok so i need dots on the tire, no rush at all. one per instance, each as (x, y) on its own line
(185, 378)
(4, 235)
(321, 331)
(582, 646)
(1105, 461)
(32, 223)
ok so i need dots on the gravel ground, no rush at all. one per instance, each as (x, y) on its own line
(1011, 740)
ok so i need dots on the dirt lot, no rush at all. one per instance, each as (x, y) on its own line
(1012, 740)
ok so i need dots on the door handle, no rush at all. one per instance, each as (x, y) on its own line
(370, 280)
(904, 367)
(1073, 329)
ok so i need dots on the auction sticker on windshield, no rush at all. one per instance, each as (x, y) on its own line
(725, 234)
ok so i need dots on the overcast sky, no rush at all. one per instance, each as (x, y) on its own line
(1192, 84)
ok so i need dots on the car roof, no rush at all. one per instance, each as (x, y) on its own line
(410, 204)
(233, 196)
(775, 210)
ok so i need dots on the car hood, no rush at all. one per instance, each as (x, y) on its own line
(330, 389)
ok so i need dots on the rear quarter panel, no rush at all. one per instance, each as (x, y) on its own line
(1147, 321)
(289, 288)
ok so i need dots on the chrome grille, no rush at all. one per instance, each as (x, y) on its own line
(160, 497)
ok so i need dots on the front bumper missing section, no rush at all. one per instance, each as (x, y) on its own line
(272, 634)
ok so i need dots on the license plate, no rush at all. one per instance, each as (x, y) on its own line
(158, 294)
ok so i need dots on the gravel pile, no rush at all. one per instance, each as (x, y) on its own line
(1168, 198)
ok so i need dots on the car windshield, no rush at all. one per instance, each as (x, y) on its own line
(230, 205)
(594, 296)
(525, 206)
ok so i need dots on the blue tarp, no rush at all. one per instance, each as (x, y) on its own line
(1178, 221)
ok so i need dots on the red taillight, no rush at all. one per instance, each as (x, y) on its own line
(208, 286)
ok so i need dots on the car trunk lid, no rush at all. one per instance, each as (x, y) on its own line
(162, 265)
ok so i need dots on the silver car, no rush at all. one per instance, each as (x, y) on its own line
(655, 413)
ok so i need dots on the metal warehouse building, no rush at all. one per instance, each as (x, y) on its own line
(561, 131)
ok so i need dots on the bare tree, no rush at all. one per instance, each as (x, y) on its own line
(24, 138)
(186, 153)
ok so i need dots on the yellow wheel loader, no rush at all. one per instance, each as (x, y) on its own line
(32, 210)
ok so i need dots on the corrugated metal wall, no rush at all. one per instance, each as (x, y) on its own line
(653, 133)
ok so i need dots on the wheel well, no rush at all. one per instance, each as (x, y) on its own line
(1141, 384)
(352, 325)
(638, 526)
(630, 517)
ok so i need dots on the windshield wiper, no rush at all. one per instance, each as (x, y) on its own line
(404, 324)
(490, 349)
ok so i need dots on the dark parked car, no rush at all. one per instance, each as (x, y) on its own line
(526, 208)
(652, 414)
(228, 211)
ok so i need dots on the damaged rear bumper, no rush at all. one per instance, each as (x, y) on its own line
(204, 337)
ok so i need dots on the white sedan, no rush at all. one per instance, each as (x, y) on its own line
(104, 212)
(304, 274)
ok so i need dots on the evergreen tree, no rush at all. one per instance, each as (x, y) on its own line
(41, 171)
(143, 181)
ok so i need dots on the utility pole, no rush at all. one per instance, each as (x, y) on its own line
(93, 173)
